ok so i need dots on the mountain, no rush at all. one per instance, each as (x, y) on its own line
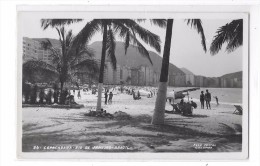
(134, 59)
(186, 71)
(238, 75)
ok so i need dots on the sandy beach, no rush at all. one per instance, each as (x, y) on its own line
(50, 129)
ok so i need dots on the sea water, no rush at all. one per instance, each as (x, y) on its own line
(225, 95)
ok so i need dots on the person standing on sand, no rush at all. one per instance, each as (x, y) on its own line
(110, 97)
(207, 99)
(106, 97)
(202, 99)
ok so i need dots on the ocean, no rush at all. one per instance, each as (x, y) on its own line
(225, 95)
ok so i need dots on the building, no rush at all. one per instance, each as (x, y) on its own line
(199, 81)
(177, 80)
(189, 76)
(32, 49)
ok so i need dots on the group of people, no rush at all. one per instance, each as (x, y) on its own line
(109, 96)
(206, 98)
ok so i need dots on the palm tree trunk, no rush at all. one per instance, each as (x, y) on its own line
(61, 85)
(101, 71)
(158, 116)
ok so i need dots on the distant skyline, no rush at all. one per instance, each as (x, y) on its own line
(186, 48)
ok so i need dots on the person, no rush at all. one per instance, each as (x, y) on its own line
(216, 97)
(134, 95)
(110, 97)
(33, 96)
(79, 96)
(41, 96)
(202, 99)
(138, 94)
(207, 99)
(49, 97)
(74, 92)
(106, 97)
(55, 96)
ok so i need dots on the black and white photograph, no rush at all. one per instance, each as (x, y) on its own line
(132, 83)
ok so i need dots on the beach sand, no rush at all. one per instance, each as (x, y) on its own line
(50, 129)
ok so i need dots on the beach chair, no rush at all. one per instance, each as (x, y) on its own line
(238, 110)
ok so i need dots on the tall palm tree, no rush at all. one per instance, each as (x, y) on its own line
(231, 33)
(66, 62)
(158, 116)
(127, 29)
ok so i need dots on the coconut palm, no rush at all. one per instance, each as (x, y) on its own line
(158, 116)
(127, 29)
(231, 33)
(66, 60)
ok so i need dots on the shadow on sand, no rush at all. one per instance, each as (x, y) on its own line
(137, 133)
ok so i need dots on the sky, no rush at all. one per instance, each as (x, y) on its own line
(186, 48)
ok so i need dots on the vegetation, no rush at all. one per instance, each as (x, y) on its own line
(158, 116)
(231, 33)
(66, 62)
(128, 30)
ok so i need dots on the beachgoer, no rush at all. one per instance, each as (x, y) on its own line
(55, 96)
(110, 97)
(33, 96)
(49, 97)
(41, 96)
(216, 97)
(106, 97)
(202, 99)
(79, 96)
(207, 99)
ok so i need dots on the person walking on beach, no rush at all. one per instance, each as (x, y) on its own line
(106, 97)
(207, 99)
(110, 97)
(202, 99)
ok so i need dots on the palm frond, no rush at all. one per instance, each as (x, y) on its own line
(127, 41)
(86, 64)
(87, 51)
(46, 45)
(231, 33)
(159, 22)
(68, 38)
(110, 47)
(148, 37)
(124, 31)
(45, 23)
(141, 48)
(197, 24)
(39, 65)
(85, 34)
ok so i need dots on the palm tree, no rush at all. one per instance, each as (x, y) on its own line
(158, 116)
(231, 33)
(127, 29)
(66, 62)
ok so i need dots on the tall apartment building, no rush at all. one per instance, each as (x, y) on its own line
(32, 49)
(177, 80)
